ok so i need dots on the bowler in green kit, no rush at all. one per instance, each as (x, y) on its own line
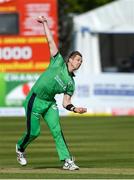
(57, 79)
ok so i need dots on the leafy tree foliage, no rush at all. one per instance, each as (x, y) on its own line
(80, 6)
(65, 27)
(65, 8)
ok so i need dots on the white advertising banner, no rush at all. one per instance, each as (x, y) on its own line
(106, 93)
(102, 94)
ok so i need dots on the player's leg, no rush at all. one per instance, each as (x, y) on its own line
(33, 129)
(52, 119)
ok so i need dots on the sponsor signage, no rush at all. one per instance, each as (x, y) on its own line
(23, 46)
(24, 51)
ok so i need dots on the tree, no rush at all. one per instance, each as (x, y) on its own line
(65, 27)
(65, 9)
(80, 6)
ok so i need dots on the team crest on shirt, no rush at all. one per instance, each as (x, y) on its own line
(70, 83)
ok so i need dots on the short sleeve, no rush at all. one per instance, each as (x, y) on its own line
(70, 88)
(57, 60)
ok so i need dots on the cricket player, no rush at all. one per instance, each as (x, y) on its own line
(58, 78)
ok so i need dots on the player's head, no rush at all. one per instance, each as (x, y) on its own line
(74, 60)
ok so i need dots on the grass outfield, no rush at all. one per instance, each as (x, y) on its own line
(103, 148)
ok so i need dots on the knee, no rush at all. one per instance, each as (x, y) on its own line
(35, 134)
(56, 132)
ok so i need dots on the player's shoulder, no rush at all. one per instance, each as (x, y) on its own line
(56, 60)
(57, 55)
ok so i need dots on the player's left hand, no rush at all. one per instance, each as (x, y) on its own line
(80, 110)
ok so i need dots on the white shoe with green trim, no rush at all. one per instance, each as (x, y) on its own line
(70, 165)
(21, 157)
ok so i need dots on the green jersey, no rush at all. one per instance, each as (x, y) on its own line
(55, 80)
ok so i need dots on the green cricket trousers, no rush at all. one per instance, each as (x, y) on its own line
(36, 107)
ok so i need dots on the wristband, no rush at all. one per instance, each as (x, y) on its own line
(70, 107)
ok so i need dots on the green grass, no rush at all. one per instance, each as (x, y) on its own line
(103, 148)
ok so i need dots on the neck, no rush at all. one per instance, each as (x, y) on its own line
(70, 67)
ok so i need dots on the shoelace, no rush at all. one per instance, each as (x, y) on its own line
(21, 155)
(71, 161)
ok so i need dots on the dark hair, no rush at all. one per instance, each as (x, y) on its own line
(73, 54)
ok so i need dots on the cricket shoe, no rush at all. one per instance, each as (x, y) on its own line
(21, 157)
(70, 165)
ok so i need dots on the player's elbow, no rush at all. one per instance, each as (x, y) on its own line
(64, 104)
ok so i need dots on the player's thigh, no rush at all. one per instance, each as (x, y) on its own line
(35, 124)
(52, 117)
(33, 116)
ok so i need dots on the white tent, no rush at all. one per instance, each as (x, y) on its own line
(104, 93)
(115, 17)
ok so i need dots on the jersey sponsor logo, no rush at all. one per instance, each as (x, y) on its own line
(36, 114)
(60, 82)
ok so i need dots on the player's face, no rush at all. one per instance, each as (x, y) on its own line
(76, 62)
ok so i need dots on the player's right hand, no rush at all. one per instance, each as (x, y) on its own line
(41, 19)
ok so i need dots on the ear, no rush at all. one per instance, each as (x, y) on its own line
(70, 60)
